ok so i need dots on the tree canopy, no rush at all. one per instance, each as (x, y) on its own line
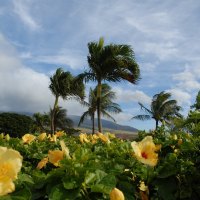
(162, 108)
(107, 104)
(16, 125)
(65, 85)
(112, 63)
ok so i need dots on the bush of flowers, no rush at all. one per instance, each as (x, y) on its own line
(159, 165)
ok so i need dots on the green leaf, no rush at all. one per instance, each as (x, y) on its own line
(23, 194)
(90, 178)
(58, 192)
(105, 185)
(169, 167)
(70, 183)
(26, 178)
(39, 178)
(167, 188)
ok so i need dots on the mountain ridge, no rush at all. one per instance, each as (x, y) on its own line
(105, 123)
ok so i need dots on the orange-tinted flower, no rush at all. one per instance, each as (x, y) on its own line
(59, 133)
(42, 136)
(42, 163)
(53, 138)
(28, 138)
(103, 137)
(144, 151)
(95, 136)
(116, 194)
(83, 138)
(55, 157)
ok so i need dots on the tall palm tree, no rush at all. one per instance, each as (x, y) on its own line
(64, 85)
(111, 63)
(162, 109)
(107, 104)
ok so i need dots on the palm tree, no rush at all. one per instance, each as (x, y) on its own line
(41, 122)
(111, 63)
(196, 105)
(61, 121)
(64, 85)
(162, 109)
(107, 104)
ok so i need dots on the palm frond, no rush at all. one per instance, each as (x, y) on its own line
(82, 118)
(107, 115)
(142, 117)
(144, 108)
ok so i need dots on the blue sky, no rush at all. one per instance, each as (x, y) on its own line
(38, 36)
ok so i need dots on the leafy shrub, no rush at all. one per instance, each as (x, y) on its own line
(15, 124)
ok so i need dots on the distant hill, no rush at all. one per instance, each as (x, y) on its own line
(105, 123)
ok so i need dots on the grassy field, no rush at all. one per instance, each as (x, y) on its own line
(119, 133)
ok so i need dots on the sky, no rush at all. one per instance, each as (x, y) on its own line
(39, 36)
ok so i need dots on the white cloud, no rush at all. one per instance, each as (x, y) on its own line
(23, 89)
(22, 9)
(188, 79)
(181, 96)
(74, 61)
(163, 51)
(122, 117)
(124, 95)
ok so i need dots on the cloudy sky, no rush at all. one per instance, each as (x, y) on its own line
(38, 36)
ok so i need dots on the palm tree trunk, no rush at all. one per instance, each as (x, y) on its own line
(93, 123)
(99, 106)
(156, 124)
(53, 116)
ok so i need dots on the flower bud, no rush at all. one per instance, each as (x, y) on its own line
(7, 137)
(116, 194)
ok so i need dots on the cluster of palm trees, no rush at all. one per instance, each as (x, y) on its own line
(111, 63)
(107, 63)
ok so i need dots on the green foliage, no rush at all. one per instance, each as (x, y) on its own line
(94, 169)
(42, 122)
(107, 104)
(64, 85)
(15, 124)
(196, 105)
(162, 109)
(111, 63)
(192, 122)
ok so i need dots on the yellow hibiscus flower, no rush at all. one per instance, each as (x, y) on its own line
(53, 138)
(65, 149)
(83, 138)
(42, 136)
(55, 157)
(143, 187)
(59, 133)
(10, 165)
(42, 163)
(104, 138)
(116, 194)
(145, 150)
(28, 138)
